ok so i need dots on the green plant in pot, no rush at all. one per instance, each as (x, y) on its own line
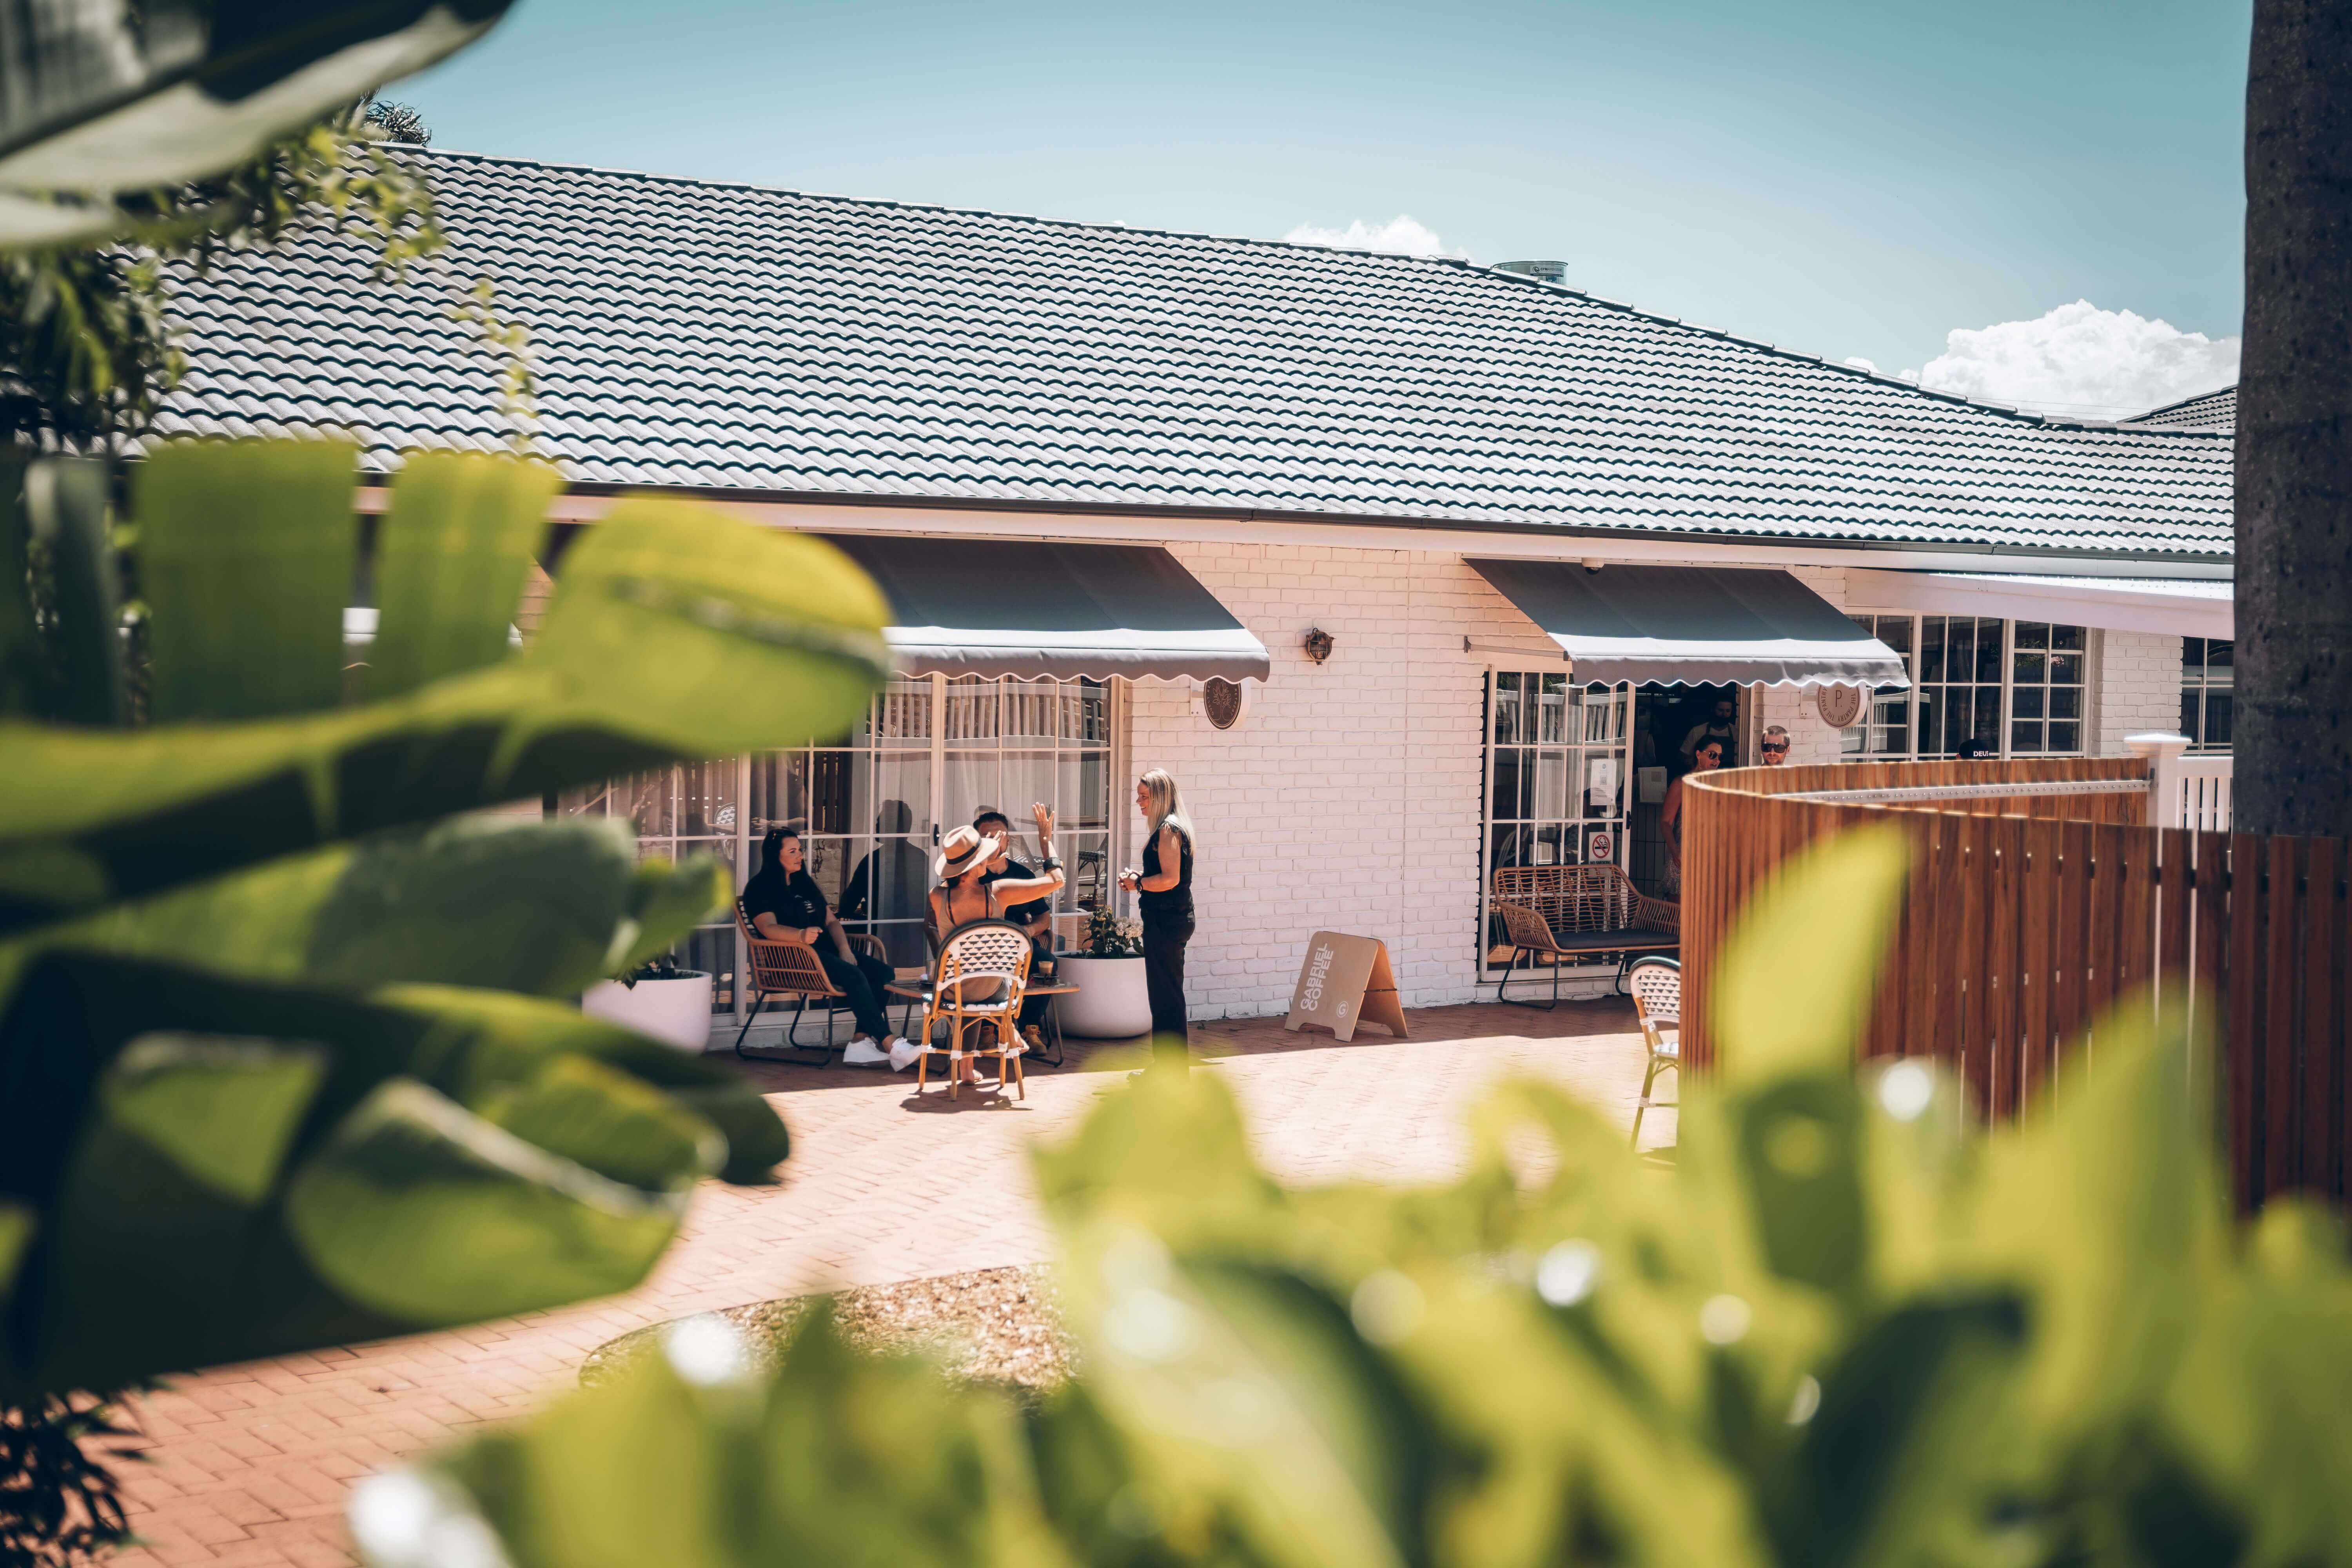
(1111, 1002)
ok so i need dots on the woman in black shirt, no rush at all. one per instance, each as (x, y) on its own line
(1164, 897)
(784, 904)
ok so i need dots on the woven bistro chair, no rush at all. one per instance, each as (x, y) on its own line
(977, 984)
(1558, 913)
(1657, 987)
(790, 969)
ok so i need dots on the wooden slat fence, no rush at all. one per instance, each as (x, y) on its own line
(2030, 909)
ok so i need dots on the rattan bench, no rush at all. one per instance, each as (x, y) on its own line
(1556, 914)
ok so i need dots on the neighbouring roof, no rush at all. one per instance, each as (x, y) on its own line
(725, 337)
(2212, 411)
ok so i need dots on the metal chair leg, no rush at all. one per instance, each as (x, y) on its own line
(758, 1002)
(1513, 968)
(1641, 1107)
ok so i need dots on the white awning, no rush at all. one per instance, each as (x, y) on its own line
(1032, 608)
(1694, 626)
(2185, 606)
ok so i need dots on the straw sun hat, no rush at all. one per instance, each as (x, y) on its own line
(962, 849)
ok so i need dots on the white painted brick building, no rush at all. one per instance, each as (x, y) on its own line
(1321, 438)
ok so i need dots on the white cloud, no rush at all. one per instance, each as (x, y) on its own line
(1401, 235)
(2082, 361)
(1861, 364)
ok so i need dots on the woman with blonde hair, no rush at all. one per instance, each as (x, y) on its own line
(1164, 897)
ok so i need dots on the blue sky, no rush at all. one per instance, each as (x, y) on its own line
(1843, 178)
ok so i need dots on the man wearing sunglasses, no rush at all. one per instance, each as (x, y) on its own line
(1774, 746)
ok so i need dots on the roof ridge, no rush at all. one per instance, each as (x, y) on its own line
(1459, 263)
(2179, 404)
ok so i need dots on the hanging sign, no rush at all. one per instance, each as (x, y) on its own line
(1600, 847)
(1601, 781)
(1345, 981)
(1839, 706)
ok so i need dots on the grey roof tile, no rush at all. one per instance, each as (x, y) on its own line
(725, 337)
(2206, 411)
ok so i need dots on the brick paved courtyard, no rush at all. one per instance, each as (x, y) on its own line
(251, 1463)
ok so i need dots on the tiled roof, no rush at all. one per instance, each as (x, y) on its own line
(2206, 411)
(728, 337)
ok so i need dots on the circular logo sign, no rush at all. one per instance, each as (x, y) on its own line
(1600, 847)
(1839, 706)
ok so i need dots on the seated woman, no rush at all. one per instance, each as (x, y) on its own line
(785, 904)
(965, 894)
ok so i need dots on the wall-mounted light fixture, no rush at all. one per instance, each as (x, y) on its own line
(1318, 643)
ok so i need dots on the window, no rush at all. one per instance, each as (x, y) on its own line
(2046, 665)
(2017, 688)
(2205, 692)
(1886, 733)
(1553, 766)
(1958, 676)
(1555, 769)
(930, 753)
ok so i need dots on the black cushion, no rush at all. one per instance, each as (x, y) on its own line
(1631, 939)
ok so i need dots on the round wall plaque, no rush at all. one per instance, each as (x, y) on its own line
(1226, 703)
(1839, 706)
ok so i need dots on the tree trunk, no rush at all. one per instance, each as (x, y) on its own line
(2293, 727)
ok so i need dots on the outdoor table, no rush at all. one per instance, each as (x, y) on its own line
(919, 990)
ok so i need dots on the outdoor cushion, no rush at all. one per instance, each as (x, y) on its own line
(1614, 940)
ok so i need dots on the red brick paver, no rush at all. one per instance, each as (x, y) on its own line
(251, 1464)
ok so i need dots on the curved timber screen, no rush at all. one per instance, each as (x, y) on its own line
(2038, 896)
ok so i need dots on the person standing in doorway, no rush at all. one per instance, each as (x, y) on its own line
(1720, 729)
(1164, 897)
(1774, 747)
(1705, 760)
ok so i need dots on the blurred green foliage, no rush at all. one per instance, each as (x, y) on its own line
(1841, 1328)
(290, 1049)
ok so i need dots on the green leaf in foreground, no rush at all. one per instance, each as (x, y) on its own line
(665, 615)
(219, 1169)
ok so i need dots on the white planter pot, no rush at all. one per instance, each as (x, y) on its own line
(675, 1011)
(1111, 1004)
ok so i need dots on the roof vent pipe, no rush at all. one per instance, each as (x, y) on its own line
(1541, 272)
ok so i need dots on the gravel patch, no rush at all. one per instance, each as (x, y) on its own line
(992, 1325)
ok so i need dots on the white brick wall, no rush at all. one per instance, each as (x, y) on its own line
(2136, 681)
(1349, 799)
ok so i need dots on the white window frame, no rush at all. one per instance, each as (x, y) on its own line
(2008, 693)
(1620, 825)
(2203, 684)
(741, 841)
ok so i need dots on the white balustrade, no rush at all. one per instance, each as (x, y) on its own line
(2183, 791)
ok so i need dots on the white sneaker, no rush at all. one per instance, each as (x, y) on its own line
(862, 1052)
(903, 1053)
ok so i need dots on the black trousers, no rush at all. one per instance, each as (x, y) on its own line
(1164, 936)
(860, 984)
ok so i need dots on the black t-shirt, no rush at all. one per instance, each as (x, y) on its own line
(1017, 870)
(796, 901)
